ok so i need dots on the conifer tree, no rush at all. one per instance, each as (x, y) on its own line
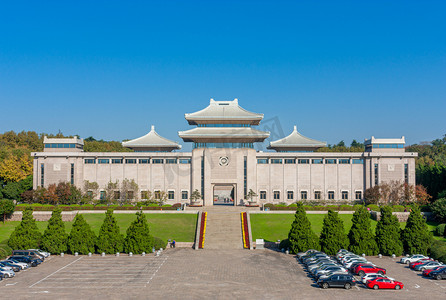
(81, 238)
(110, 239)
(388, 233)
(333, 236)
(416, 237)
(138, 238)
(362, 239)
(301, 236)
(55, 238)
(26, 235)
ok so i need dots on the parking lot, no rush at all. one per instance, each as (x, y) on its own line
(186, 274)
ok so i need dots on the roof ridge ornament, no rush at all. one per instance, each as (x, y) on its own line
(152, 128)
(295, 128)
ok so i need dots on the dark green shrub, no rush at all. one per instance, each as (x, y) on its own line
(81, 238)
(361, 237)
(356, 206)
(388, 233)
(416, 237)
(26, 235)
(138, 238)
(109, 240)
(301, 237)
(439, 230)
(5, 251)
(438, 251)
(425, 208)
(373, 207)
(55, 238)
(159, 243)
(285, 244)
(439, 210)
(6, 208)
(333, 236)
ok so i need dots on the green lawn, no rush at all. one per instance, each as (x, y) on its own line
(273, 227)
(180, 227)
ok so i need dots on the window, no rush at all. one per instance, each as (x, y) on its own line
(317, 195)
(330, 195)
(90, 194)
(303, 161)
(330, 161)
(262, 195)
(157, 161)
(303, 195)
(185, 160)
(117, 195)
(344, 195)
(157, 195)
(117, 161)
(276, 195)
(276, 160)
(344, 161)
(184, 195)
(102, 195)
(262, 161)
(171, 195)
(406, 173)
(130, 195)
(144, 161)
(171, 160)
(376, 174)
(317, 161)
(358, 195)
(290, 161)
(357, 161)
(42, 174)
(72, 174)
(103, 161)
(290, 195)
(130, 161)
(90, 161)
(144, 195)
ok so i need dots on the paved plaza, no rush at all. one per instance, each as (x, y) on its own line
(203, 274)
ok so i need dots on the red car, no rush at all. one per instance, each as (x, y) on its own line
(361, 270)
(384, 283)
(426, 272)
(419, 262)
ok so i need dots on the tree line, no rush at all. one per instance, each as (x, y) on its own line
(82, 239)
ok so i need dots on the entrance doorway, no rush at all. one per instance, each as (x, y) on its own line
(224, 195)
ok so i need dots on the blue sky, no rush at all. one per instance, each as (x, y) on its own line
(339, 70)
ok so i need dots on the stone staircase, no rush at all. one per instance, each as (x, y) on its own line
(223, 229)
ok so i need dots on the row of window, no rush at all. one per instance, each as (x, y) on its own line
(304, 195)
(60, 145)
(144, 195)
(223, 145)
(223, 125)
(135, 161)
(386, 146)
(315, 161)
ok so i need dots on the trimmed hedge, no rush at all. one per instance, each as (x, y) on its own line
(48, 207)
(438, 251)
(342, 207)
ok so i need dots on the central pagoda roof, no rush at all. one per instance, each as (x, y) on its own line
(151, 142)
(223, 134)
(296, 142)
(223, 112)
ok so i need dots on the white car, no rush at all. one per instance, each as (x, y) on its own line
(22, 265)
(9, 273)
(412, 258)
(372, 276)
(41, 252)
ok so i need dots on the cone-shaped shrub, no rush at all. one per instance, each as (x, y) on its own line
(26, 235)
(361, 237)
(82, 238)
(416, 237)
(55, 238)
(138, 238)
(388, 233)
(110, 239)
(333, 236)
(301, 237)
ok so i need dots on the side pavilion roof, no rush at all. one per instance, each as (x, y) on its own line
(295, 141)
(151, 140)
(223, 112)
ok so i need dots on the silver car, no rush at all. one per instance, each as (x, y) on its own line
(8, 273)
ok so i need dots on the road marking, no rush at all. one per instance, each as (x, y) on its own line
(41, 292)
(11, 283)
(156, 271)
(417, 286)
(55, 272)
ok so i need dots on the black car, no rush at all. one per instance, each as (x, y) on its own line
(15, 268)
(439, 274)
(337, 280)
(26, 259)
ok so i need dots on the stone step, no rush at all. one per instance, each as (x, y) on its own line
(223, 230)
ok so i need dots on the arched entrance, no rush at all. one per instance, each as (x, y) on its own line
(224, 194)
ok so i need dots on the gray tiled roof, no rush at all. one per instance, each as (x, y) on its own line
(295, 139)
(152, 139)
(223, 133)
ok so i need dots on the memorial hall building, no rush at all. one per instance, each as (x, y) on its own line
(224, 165)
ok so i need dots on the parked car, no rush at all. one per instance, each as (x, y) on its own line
(329, 269)
(5, 267)
(439, 274)
(41, 252)
(26, 259)
(361, 270)
(8, 273)
(337, 280)
(372, 276)
(428, 271)
(384, 283)
(31, 253)
(412, 258)
(412, 265)
(15, 268)
(428, 265)
(23, 265)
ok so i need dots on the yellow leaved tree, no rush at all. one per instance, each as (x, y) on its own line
(15, 168)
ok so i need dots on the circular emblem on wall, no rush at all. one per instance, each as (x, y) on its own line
(223, 161)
